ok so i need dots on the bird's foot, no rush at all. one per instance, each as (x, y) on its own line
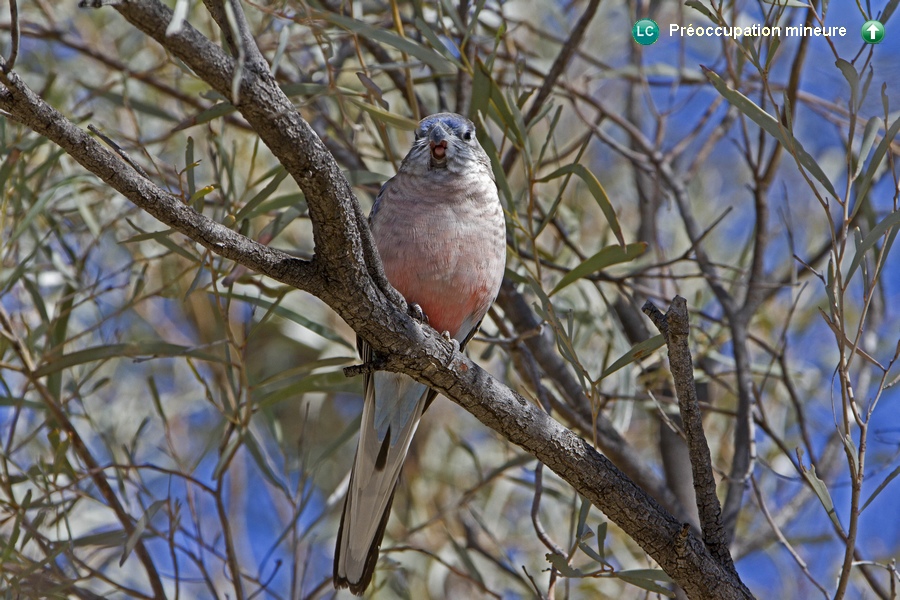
(454, 347)
(416, 312)
(451, 340)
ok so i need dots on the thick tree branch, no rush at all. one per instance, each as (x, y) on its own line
(26, 107)
(344, 248)
(675, 326)
(341, 274)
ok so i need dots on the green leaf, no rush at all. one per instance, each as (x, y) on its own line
(87, 215)
(597, 192)
(38, 208)
(647, 579)
(295, 205)
(466, 559)
(10, 542)
(262, 462)
(871, 238)
(702, 9)
(685, 74)
(821, 491)
(561, 564)
(582, 517)
(162, 238)
(637, 352)
(350, 432)
(22, 402)
(200, 194)
(869, 75)
(200, 275)
(788, 3)
(144, 350)
(772, 52)
(37, 297)
(133, 102)
(287, 377)
(496, 165)
(263, 194)
(226, 455)
(611, 255)
(441, 65)
(851, 451)
(591, 552)
(104, 539)
(205, 116)
(889, 9)
(852, 77)
(57, 336)
(385, 116)
(286, 313)
(358, 178)
(602, 528)
(880, 150)
(563, 341)
(436, 43)
(772, 127)
(139, 528)
(329, 381)
(868, 139)
(487, 95)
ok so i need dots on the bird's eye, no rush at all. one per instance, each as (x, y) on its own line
(467, 135)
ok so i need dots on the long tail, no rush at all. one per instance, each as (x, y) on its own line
(393, 406)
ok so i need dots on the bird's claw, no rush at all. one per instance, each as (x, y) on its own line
(454, 347)
(416, 312)
(450, 340)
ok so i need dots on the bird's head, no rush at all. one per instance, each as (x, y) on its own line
(445, 141)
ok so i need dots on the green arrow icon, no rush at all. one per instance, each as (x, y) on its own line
(872, 32)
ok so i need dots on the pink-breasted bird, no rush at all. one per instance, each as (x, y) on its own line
(439, 228)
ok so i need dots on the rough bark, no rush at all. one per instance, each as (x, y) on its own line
(675, 326)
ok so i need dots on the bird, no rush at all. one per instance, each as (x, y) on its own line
(440, 231)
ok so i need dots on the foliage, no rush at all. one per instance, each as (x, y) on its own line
(145, 380)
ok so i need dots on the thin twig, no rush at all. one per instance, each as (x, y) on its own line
(556, 70)
(780, 535)
(78, 445)
(14, 36)
(119, 150)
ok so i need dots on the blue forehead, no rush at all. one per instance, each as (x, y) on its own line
(455, 123)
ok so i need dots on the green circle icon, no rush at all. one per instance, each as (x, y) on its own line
(646, 32)
(872, 32)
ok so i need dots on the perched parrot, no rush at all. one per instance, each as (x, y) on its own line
(439, 228)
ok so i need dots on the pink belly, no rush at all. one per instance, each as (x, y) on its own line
(449, 303)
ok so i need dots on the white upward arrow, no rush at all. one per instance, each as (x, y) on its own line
(873, 29)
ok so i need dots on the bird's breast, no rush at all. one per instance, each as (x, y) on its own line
(445, 251)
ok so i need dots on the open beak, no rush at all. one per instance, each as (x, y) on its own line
(438, 141)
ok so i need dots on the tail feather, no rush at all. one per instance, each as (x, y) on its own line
(362, 581)
(393, 404)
